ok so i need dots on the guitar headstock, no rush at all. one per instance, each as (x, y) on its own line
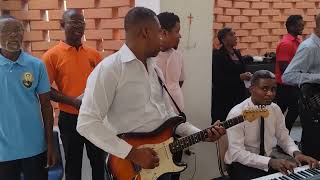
(255, 113)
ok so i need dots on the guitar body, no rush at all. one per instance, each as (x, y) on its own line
(159, 141)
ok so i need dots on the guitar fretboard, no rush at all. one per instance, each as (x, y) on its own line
(188, 141)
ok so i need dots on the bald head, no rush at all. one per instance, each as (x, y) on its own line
(70, 14)
(139, 17)
(143, 32)
(73, 24)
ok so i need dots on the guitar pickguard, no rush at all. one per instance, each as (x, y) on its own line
(166, 164)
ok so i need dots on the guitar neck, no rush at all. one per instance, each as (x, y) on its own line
(190, 140)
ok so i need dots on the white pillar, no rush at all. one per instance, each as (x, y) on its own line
(196, 47)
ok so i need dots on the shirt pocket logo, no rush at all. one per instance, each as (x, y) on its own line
(27, 79)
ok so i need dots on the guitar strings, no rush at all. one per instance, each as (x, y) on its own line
(316, 99)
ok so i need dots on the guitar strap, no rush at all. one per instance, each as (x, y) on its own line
(182, 114)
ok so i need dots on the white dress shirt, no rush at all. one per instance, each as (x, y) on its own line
(305, 65)
(244, 138)
(171, 64)
(121, 96)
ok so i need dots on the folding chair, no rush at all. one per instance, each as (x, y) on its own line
(222, 147)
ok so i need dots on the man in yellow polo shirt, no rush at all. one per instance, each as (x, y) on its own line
(69, 64)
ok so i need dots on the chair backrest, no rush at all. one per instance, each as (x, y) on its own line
(222, 147)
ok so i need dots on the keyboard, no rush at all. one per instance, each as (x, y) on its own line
(303, 172)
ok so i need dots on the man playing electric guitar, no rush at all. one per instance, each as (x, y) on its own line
(123, 94)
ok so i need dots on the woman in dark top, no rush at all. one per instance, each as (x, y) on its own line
(228, 74)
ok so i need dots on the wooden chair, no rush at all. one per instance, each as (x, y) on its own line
(222, 147)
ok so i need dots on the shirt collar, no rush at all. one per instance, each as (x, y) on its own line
(251, 104)
(20, 60)
(316, 39)
(66, 46)
(126, 54)
(292, 38)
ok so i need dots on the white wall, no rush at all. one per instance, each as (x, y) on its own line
(197, 87)
(151, 4)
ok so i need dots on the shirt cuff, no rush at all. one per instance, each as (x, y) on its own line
(123, 149)
(264, 163)
(292, 149)
(186, 129)
(192, 129)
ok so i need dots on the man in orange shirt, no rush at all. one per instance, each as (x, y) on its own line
(69, 64)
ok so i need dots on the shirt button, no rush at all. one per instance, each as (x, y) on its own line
(10, 70)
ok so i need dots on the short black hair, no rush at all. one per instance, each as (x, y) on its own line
(293, 20)
(70, 12)
(168, 20)
(261, 74)
(138, 16)
(223, 32)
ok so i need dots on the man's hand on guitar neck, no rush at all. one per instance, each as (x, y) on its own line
(215, 132)
(144, 157)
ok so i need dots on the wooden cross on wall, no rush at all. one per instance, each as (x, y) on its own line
(193, 45)
(190, 17)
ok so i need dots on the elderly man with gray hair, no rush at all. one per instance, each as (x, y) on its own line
(26, 116)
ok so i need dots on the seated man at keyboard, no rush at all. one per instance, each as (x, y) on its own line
(248, 154)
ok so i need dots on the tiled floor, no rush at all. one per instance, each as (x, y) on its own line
(187, 175)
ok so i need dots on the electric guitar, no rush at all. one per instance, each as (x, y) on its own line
(162, 141)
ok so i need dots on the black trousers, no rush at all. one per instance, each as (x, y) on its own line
(287, 98)
(33, 168)
(310, 121)
(238, 171)
(73, 144)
